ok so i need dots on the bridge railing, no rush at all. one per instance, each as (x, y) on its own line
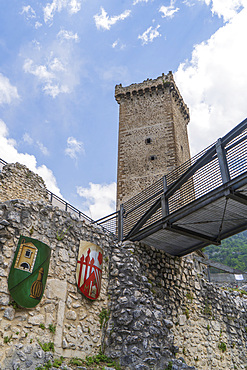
(65, 206)
(216, 165)
(110, 223)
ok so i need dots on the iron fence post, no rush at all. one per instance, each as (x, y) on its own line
(164, 199)
(224, 169)
(120, 223)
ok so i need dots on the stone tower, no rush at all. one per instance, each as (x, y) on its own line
(153, 137)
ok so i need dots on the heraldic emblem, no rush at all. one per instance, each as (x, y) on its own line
(89, 269)
(28, 272)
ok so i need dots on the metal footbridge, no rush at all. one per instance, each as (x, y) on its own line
(199, 203)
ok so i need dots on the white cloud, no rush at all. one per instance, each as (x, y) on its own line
(8, 93)
(27, 139)
(56, 65)
(42, 148)
(118, 45)
(149, 35)
(39, 71)
(99, 199)
(115, 44)
(105, 22)
(67, 35)
(189, 3)
(55, 89)
(49, 76)
(74, 147)
(213, 83)
(38, 25)
(28, 12)
(140, 1)
(168, 11)
(73, 6)
(227, 8)
(9, 153)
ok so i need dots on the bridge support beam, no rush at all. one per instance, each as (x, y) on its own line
(191, 234)
(238, 197)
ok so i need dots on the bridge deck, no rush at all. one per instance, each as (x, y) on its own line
(199, 203)
(205, 221)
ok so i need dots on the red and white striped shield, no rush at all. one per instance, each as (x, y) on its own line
(89, 269)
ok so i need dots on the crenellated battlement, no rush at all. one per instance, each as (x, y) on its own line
(150, 87)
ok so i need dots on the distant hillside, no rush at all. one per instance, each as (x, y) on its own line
(232, 251)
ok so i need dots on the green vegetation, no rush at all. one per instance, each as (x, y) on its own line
(14, 305)
(63, 233)
(207, 309)
(7, 339)
(169, 366)
(232, 251)
(42, 326)
(190, 296)
(47, 347)
(104, 317)
(99, 359)
(187, 313)
(46, 366)
(222, 346)
(52, 328)
(58, 362)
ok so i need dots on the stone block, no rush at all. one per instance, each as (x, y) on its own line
(56, 288)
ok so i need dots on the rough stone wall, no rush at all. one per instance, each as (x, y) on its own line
(78, 331)
(152, 134)
(163, 309)
(18, 182)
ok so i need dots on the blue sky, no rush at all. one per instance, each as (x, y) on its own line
(61, 59)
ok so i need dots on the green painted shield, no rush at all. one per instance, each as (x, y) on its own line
(28, 273)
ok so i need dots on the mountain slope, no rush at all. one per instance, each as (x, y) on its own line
(232, 251)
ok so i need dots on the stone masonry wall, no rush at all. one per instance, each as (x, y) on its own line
(18, 182)
(78, 330)
(163, 309)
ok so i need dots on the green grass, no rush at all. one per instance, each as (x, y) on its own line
(222, 346)
(99, 359)
(52, 328)
(47, 347)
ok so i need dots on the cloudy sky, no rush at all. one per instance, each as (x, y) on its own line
(61, 59)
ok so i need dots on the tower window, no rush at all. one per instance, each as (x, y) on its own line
(152, 157)
(148, 140)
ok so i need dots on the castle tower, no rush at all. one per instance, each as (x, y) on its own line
(153, 137)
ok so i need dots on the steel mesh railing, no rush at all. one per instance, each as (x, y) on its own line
(206, 177)
(110, 223)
